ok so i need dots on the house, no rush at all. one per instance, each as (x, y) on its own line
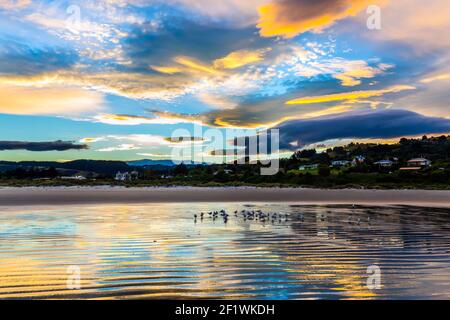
(384, 163)
(78, 177)
(340, 163)
(419, 162)
(410, 168)
(126, 176)
(358, 160)
(308, 167)
(122, 176)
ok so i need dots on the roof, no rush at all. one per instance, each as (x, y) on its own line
(418, 160)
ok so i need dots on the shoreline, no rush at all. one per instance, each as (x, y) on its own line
(29, 196)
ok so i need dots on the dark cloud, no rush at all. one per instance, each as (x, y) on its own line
(295, 10)
(181, 37)
(19, 58)
(41, 146)
(386, 123)
(291, 17)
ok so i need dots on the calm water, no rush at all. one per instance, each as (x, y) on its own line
(159, 251)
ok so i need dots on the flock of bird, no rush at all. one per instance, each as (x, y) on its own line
(259, 215)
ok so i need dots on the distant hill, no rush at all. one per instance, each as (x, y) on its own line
(148, 162)
(158, 163)
(97, 166)
(103, 167)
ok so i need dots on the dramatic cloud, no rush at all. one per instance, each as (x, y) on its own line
(130, 85)
(287, 18)
(41, 146)
(268, 112)
(234, 60)
(354, 71)
(230, 64)
(349, 96)
(47, 100)
(183, 38)
(349, 72)
(18, 58)
(388, 123)
(131, 120)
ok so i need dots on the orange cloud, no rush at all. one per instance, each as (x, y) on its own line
(356, 70)
(439, 77)
(239, 59)
(131, 120)
(287, 18)
(217, 102)
(48, 100)
(167, 70)
(352, 96)
(195, 65)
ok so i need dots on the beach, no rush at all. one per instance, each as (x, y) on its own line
(161, 251)
(118, 195)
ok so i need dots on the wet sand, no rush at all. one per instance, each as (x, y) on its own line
(95, 195)
(159, 251)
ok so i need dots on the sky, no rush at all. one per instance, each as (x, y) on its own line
(178, 79)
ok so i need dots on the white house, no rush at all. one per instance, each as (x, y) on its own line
(79, 177)
(340, 163)
(419, 162)
(308, 167)
(126, 176)
(384, 163)
(122, 176)
(358, 160)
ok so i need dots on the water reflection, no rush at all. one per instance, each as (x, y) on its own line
(160, 251)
